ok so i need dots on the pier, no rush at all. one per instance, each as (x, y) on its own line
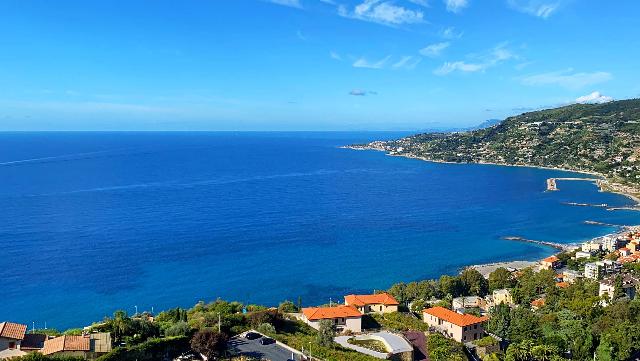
(558, 246)
(552, 183)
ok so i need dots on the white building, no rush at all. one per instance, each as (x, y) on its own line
(591, 247)
(630, 285)
(597, 270)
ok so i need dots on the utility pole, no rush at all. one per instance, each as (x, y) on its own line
(219, 322)
(136, 306)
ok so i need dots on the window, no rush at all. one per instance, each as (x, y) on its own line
(12, 345)
(475, 327)
(464, 338)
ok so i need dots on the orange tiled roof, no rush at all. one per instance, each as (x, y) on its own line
(562, 284)
(66, 343)
(379, 299)
(538, 302)
(551, 259)
(454, 317)
(321, 313)
(12, 330)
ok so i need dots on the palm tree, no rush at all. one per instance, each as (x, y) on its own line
(544, 352)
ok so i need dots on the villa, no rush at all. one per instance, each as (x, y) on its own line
(11, 336)
(88, 346)
(343, 317)
(502, 296)
(629, 286)
(378, 303)
(462, 328)
(551, 262)
(462, 303)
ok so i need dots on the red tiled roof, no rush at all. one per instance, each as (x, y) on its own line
(551, 259)
(321, 313)
(454, 317)
(562, 284)
(378, 299)
(538, 302)
(67, 343)
(12, 330)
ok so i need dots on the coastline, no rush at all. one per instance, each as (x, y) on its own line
(603, 184)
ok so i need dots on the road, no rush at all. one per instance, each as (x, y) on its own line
(252, 348)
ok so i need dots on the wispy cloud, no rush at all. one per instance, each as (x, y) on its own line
(361, 93)
(434, 50)
(498, 54)
(540, 8)
(451, 33)
(424, 3)
(407, 63)
(364, 63)
(335, 56)
(382, 12)
(301, 36)
(567, 79)
(290, 3)
(455, 6)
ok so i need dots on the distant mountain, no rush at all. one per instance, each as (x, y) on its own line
(601, 138)
(486, 124)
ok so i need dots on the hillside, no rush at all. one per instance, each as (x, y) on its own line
(600, 138)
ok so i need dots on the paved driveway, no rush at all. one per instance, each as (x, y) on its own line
(241, 346)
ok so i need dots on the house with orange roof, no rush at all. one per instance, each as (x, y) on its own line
(378, 303)
(89, 346)
(460, 327)
(562, 284)
(538, 303)
(343, 317)
(551, 262)
(11, 335)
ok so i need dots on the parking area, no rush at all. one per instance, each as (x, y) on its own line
(274, 352)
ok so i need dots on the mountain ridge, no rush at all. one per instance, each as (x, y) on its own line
(601, 139)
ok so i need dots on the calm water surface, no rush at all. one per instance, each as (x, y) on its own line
(94, 222)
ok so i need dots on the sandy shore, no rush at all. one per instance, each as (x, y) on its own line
(486, 269)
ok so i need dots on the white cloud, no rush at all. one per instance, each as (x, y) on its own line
(335, 56)
(364, 63)
(449, 67)
(290, 3)
(498, 54)
(540, 8)
(407, 62)
(301, 36)
(434, 50)
(361, 93)
(451, 33)
(330, 2)
(455, 6)
(383, 12)
(567, 79)
(594, 98)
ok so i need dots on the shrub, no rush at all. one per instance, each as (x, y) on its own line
(266, 328)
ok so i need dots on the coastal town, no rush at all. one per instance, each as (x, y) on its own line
(460, 320)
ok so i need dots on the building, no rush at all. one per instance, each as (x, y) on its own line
(33, 342)
(502, 296)
(584, 254)
(551, 262)
(597, 270)
(343, 317)
(462, 328)
(89, 346)
(630, 286)
(378, 303)
(571, 276)
(591, 247)
(538, 303)
(460, 303)
(613, 244)
(11, 335)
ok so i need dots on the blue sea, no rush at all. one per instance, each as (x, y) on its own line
(95, 222)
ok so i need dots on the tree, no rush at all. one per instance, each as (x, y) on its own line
(450, 286)
(326, 333)
(473, 282)
(287, 307)
(524, 325)
(266, 328)
(180, 328)
(618, 291)
(209, 343)
(543, 352)
(499, 320)
(500, 278)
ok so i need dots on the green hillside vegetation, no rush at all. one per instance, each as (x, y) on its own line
(601, 138)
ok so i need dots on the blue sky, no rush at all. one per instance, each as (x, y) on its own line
(307, 64)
